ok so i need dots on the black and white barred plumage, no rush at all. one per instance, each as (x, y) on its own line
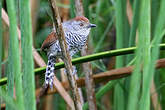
(76, 33)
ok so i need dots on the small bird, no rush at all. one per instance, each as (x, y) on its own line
(76, 33)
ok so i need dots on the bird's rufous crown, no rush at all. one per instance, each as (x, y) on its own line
(81, 18)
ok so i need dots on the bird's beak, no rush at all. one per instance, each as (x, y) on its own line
(91, 25)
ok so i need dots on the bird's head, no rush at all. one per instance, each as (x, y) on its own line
(79, 25)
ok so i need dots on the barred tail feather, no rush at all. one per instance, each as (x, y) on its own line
(49, 75)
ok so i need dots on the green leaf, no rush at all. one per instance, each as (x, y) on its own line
(27, 57)
(15, 55)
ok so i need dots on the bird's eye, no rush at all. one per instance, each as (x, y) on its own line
(81, 24)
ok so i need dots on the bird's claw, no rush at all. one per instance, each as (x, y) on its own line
(74, 70)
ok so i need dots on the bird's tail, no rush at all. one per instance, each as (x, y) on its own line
(49, 75)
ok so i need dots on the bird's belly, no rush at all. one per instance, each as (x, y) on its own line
(75, 49)
(56, 50)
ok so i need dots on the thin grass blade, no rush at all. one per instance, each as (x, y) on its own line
(134, 90)
(134, 25)
(145, 34)
(120, 35)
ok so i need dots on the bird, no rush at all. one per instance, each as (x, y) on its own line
(76, 33)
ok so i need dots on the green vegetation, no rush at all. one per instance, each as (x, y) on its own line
(14, 66)
(27, 57)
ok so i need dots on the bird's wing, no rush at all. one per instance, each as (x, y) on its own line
(51, 38)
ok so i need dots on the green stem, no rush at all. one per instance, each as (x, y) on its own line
(144, 32)
(14, 53)
(158, 34)
(134, 26)
(88, 58)
(120, 35)
(27, 57)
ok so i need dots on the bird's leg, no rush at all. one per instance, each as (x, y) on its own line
(49, 75)
(73, 67)
(74, 70)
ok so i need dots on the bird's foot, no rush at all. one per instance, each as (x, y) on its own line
(74, 70)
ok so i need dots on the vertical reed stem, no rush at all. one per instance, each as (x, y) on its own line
(27, 56)
(65, 54)
(15, 54)
(87, 67)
